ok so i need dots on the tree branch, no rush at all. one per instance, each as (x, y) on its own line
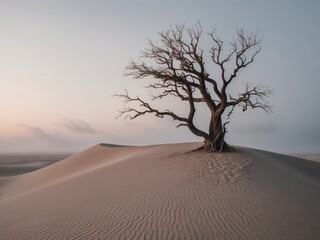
(252, 98)
(243, 51)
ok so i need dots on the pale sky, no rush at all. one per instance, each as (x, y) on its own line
(61, 61)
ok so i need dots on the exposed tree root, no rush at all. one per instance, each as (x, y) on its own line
(207, 147)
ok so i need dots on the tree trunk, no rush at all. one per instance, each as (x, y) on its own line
(216, 142)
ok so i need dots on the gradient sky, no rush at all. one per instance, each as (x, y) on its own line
(61, 61)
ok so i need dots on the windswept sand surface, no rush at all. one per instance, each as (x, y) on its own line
(160, 192)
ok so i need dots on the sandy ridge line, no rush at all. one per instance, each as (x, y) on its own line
(40, 180)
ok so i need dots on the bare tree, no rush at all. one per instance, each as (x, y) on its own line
(178, 66)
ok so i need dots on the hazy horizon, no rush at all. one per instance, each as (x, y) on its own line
(61, 62)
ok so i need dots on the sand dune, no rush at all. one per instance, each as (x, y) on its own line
(160, 192)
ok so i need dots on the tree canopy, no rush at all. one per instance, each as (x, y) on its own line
(177, 63)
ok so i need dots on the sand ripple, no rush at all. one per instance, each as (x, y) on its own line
(159, 192)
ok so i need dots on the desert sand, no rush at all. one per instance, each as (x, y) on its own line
(161, 192)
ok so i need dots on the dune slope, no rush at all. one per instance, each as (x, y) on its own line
(160, 192)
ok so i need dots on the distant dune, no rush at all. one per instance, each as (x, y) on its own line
(16, 164)
(312, 157)
(160, 192)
